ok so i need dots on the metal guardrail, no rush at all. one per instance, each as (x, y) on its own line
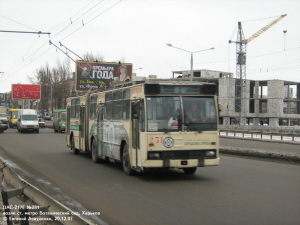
(261, 135)
(49, 206)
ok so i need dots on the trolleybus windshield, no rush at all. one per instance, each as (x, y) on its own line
(63, 116)
(181, 113)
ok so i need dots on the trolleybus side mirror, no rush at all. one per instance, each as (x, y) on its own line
(136, 108)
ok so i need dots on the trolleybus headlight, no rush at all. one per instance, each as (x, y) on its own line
(210, 153)
(154, 155)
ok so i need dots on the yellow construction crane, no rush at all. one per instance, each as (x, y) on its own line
(241, 68)
(265, 28)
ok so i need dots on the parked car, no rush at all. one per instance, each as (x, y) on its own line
(3, 118)
(3, 127)
(42, 123)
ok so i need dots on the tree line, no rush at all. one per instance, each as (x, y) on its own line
(57, 83)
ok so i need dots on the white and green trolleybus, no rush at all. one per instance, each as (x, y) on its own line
(154, 124)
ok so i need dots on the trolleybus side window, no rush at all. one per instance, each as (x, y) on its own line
(117, 105)
(93, 107)
(73, 103)
(77, 108)
(108, 96)
(142, 121)
(117, 95)
(126, 105)
(108, 105)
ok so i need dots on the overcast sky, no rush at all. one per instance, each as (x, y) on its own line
(139, 30)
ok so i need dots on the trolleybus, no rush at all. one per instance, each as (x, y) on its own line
(155, 124)
(59, 120)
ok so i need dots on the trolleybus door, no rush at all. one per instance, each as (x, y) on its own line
(136, 117)
(100, 129)
(82, 130)
(68, 126)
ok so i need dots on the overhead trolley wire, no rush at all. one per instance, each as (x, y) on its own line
(85, 23)
(21, 66)
(18, 23)
(22, 60)
(74, 22)
(70, 19)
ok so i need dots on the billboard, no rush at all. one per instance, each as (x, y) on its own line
(26, 91)
(87, 73)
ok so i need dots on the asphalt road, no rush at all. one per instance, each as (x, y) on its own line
(239, 191)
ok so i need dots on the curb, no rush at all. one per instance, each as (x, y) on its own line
(259, 153)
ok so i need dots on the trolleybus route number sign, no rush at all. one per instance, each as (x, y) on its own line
(156, 140)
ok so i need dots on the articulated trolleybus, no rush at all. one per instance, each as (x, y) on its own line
(145, 126)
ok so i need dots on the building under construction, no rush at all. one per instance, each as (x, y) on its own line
(270, 105)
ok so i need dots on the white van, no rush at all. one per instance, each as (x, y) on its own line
(27, 120)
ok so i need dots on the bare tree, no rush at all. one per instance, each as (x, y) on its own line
(91, 57)
(122, 59)
(13, 103)
(43, 76)
(61, 76)
(54, 83)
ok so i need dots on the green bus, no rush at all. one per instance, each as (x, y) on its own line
(59, 120)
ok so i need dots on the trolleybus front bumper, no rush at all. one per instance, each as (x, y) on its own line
(180, 163)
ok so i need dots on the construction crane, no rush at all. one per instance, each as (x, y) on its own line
(241, 49)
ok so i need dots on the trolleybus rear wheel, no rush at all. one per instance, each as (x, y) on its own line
(73, 149)
(94, 152)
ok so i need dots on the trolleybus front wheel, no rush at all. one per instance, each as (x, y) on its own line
(126, 161)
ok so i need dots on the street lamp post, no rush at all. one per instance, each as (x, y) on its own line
(192, 60)
(51, 97)
(51, 94)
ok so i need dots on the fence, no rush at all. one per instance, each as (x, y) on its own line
(46, 204)
(261, 135)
